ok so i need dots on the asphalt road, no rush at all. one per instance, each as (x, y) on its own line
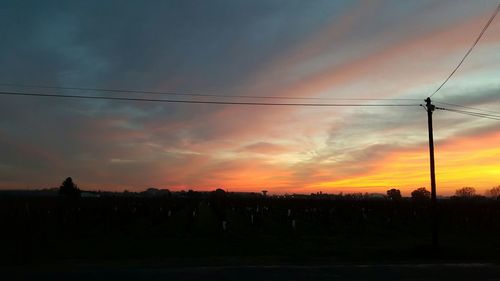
(384, 272)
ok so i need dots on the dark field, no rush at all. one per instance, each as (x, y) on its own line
(259, 230)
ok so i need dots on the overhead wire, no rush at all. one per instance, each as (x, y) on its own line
(471, 113)
(29, 94)
(469, 50)
(193, 94)
(466, 107)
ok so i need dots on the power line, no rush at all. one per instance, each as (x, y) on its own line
(198, 101)
(470, 49)
(486, 117)
(194, 95)
(467, 107)
(470, 113)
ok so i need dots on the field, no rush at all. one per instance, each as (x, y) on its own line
(204, 228)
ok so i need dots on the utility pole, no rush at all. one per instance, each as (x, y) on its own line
(434, 219)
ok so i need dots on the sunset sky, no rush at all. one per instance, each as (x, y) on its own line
(328, 49)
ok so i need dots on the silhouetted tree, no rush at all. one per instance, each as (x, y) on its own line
(155, 192)
(465, 192)
(219, 202)
(193, 200)
(494, 192)
(69, 189)
(420, 194)
(394, 194)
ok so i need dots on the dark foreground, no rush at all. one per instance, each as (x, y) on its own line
(456, 272)
(45, 235)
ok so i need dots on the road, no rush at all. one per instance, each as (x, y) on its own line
(384, 272)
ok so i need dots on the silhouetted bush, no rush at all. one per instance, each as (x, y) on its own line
(394, 194)
(494, 192)
(420, 194)
(465, 192)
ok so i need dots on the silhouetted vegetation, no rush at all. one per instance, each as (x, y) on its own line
(394, 194)
(494, 192)
(420, 194)
(163, 224)
(466, 192)
(69, 189)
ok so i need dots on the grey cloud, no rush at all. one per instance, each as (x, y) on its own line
(264, 148)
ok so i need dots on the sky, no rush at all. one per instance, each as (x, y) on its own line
(384, 49)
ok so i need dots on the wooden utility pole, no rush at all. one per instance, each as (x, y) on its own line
(434, 219)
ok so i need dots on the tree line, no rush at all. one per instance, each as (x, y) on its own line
(462, 193)
(69, 189)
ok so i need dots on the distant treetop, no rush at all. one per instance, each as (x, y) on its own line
(394, 194)
(420, 194)
(465, 192)
(494, 192)
(69, 189)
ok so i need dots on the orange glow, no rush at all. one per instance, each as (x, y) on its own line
(473, 161)
(470, 161)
